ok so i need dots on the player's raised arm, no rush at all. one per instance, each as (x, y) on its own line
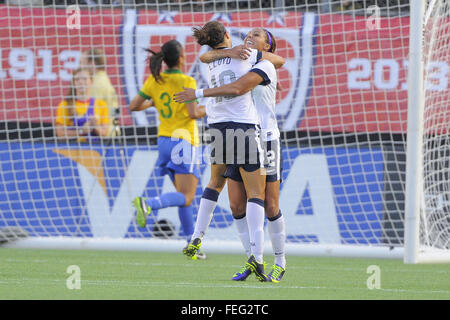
(241, 52)
(238, 52)
(276, 60)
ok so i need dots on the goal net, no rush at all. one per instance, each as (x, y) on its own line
(342, 110)
(428, 192)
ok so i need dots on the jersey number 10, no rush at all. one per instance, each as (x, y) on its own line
(231, 78)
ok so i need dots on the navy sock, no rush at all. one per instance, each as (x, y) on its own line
(257, 201)
(276, 217)
(210, 194)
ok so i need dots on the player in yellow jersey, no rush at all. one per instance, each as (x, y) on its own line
(177, 135)
(79, 115)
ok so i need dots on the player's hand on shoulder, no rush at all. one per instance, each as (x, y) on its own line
(239, 52)
(188, 94)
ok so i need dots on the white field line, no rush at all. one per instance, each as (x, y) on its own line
(194, 264)
(148, 284)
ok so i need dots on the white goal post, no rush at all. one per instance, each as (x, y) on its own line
(364, 138)
(427, 215)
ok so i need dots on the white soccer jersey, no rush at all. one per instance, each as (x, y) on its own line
(232, 108)
(264, 98)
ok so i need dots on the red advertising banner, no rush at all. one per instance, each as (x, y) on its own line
(340, 75)
(360, 75)
(39, 52)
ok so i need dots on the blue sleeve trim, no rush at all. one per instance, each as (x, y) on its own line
(262, 74)
(258, 56)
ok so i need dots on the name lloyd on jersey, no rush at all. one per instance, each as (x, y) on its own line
(219, 62)
(306, 172)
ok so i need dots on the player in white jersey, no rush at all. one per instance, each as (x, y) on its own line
(262, 80)
(233, 119)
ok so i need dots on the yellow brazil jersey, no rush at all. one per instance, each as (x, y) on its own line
(173, 117)
(100, 111)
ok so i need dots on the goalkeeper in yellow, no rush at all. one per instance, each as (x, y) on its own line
(177, 135)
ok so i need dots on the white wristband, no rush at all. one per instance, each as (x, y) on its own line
(199, 93)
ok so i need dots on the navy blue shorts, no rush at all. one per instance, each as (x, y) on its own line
(272, 163)
(236, 144)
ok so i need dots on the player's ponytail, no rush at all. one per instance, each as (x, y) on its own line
(211, 34)
(201, 35)
(170, 53)
(155, 64)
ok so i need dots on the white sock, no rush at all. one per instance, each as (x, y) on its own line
(255, 221)
(277, 233)
(204, 216)
(244, 235)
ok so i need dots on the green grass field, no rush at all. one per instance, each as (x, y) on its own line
(42, 274)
